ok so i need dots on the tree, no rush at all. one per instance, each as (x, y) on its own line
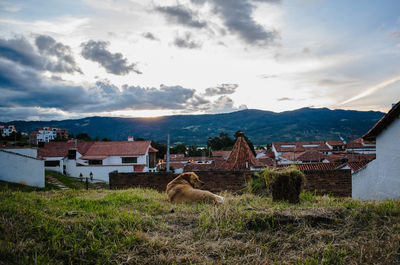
(140, 139)
(83, 137)
(221, 142)
(105, 139)
(193, 150)
(162, 149)
(178, 149)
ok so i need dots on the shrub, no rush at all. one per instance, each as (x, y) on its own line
(283, 184)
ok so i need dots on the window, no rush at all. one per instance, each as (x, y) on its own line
(126, 160)
(95, 162)
(54, 163)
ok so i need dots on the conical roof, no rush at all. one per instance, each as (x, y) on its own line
(241, 157)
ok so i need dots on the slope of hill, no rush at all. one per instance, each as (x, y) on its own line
(260, 126)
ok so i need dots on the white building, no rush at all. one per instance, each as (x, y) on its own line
(7, 130)
(380, 179)
(100, 158)
(47, 134)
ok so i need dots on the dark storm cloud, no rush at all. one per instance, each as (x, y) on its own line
(52, 56)
(113, 62)
(187, 42)
(237, 17)
(49, 47)
(223, 89)
(181, 15)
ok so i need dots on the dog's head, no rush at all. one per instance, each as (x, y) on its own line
(193, 179)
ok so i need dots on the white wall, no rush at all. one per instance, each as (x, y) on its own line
(32, 152)
(59, 168)
(99, 171)
(380, 180)
(22, 169)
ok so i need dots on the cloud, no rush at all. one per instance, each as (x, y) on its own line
(187, 42)
(267, 76)
(150, 36)
(237, 17)
(113, 62)
(49, 47)
(223, 89)
(52, 56)
(181, 15)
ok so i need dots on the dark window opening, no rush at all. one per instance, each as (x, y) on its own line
(55, 163)
(95, 162)
(129, 159)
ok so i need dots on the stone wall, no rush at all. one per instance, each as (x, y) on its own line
(335, 182)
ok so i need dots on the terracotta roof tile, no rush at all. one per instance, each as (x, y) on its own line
(119, 148)
(315, 166)
(300, 146)
(240, 154)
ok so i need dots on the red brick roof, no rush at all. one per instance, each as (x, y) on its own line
(309, 155)
(299, 146)
(241, 153)
(383, 123)
(175, 165)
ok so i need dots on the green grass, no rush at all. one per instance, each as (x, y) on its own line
(5, 186)
(140, 226)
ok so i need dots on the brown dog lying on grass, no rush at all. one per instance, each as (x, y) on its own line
(185, 188)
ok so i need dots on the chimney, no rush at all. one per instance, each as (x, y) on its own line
(130, 138)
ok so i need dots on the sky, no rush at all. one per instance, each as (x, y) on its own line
(143, 58)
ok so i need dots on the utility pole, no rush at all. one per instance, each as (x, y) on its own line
(168, 153)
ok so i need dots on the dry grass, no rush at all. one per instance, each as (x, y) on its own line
(140, 226)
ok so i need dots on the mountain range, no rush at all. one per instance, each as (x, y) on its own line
(261, 127)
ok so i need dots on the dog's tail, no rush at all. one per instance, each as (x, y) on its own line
(219, 199)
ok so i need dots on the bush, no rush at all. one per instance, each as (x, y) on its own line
(283, 184)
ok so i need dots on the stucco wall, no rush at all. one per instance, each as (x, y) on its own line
(380, 180)
(99, 172)
(57, 169)
(22, 169)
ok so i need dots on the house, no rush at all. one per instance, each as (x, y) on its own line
(47, 134)
(380, 179)
(309, 156)
(74, 158)
(362, 146)
(280, 148)
(7, 130)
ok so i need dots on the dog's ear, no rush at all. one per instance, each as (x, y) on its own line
(188, 178)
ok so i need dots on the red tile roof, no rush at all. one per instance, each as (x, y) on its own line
(309, 155)
(114, 148)
(121, 148)
(360, 143)
(221, 153)
(355, 166)
(266, 161)
(152, 150)
(241, 153)
(60, 149)
(383, 123)
(315, 166)
(283, 147)
(199, 167)
(335, 142)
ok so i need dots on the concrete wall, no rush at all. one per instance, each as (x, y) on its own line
(380, 179)
(335, 182)
(22, 169)
(60, 167)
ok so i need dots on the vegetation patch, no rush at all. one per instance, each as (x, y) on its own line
(140, 226)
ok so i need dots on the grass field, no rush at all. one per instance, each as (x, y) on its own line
(140, 226)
